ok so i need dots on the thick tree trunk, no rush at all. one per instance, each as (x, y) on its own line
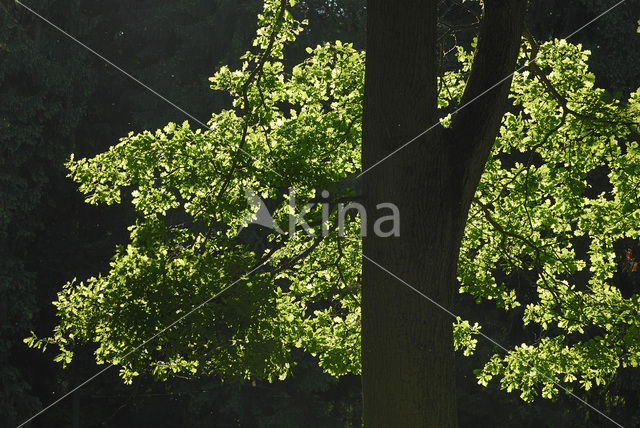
(407, 354)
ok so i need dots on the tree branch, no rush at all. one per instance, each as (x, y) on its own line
(483, 104)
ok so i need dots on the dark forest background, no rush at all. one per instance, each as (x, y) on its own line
(56, 99)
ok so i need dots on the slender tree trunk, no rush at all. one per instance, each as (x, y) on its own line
(407, 354)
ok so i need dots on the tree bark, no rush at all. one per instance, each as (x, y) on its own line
(408, 373)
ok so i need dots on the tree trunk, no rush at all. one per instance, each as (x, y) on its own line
(408, 374)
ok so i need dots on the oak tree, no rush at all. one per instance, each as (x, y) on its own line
(482, 192)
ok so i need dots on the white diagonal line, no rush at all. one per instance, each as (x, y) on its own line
(490, 339)
(481, 94)
(130, 76)
(177, 321)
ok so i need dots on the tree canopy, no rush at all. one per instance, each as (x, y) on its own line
(557, 205)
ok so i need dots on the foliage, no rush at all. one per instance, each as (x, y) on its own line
(58, 99)
(300, 129)
(530, 216)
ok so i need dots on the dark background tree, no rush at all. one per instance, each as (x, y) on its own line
(56, 98)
